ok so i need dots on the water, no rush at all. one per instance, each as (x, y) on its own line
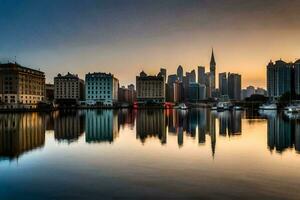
(150, 154)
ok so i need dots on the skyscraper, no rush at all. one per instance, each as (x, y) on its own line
(223, 83)
(163, 72)
(180, 73)
(234, 86)
(201, 75)
(213, 71)
(279, 78)
(297, 77)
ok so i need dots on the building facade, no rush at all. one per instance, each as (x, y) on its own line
(101, 89)
(68, 89)
(21, 86)
(212, 72)
(297, 77)
(223, 83)
(201, 74)
(150, 89)
(234, 86)
(279, 78)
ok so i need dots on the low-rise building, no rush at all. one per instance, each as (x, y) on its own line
(21, 87)
(150, 89)
(68, 89)
(101, 89)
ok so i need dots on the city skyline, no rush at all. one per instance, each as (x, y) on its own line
(121, 36)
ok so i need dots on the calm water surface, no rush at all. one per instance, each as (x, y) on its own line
(126, 154)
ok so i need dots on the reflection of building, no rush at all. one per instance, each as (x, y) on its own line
(20, 133)
(68, 126)
(151, 123)
(101, 126)
(282, 133)
(20, 86)
(101, 88)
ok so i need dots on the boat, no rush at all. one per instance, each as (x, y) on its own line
(181, 106)
(271, 106)
(292, 109)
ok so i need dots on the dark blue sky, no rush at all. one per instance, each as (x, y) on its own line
(122, 35)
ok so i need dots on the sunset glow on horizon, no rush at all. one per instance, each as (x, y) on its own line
(125, 37)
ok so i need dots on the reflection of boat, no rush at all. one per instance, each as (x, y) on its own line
(221, 106)
(271, 106)
(181, 106)
(237, 108)
(214, 108)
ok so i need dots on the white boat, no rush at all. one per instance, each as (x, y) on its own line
(271, 106)
(181, 106)
(223, 106)
(292, 109)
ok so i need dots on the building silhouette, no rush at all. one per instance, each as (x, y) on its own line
(212, 67)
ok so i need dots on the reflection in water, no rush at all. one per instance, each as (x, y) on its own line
(101, 126)
(283, 133)
(20, 133)
(151, 123)
(68, 126)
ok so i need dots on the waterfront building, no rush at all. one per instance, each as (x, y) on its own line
(234, 86)
(21, 87)
(279, 78)
(297, 77)
(202, 92)
(126, 95)
(150, 89)
(223, 83)
(201, 74)
(101, 89)
(68, 89)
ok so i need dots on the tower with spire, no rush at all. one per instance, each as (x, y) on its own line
(212, 71)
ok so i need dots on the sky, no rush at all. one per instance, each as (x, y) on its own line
(126, 36)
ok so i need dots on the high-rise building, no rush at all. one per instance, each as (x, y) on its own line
(68, 89)
(234, 86)
(170, 87)
(150, 89)
(201, 75)
(20, 86)
(101, 88)
(279, 78)
(178, 91)
(163, 72)
(223, 83)
(297, 77)
(180, 73)
(208, 84)
(192, 78)
(213, 71)
(197, 92)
